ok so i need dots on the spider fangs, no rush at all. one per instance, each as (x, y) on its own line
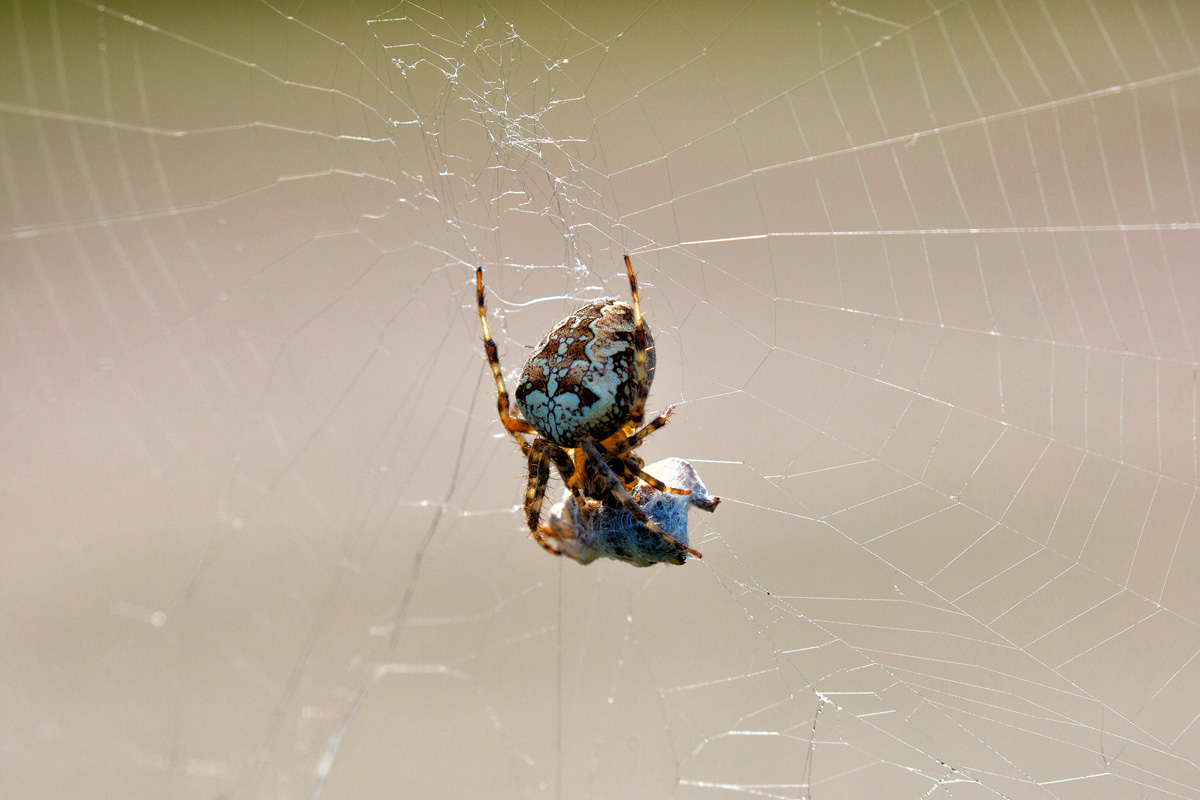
(582, 397)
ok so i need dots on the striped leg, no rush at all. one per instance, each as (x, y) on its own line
(512, 424)
(640, 361)
(535, 489)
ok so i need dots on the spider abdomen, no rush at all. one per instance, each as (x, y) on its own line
(582, 380)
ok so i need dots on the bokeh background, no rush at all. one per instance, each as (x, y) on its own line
(924, 282)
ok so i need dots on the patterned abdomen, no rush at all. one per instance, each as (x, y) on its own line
(581, 378)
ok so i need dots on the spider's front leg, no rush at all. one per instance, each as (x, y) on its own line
(619, 493)
(514, 425)
(641, 361)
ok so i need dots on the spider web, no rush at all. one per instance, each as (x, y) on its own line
(923, 282)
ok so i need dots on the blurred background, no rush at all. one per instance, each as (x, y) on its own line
(923, 278)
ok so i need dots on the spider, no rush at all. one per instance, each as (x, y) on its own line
(586, 534)
(582, 397)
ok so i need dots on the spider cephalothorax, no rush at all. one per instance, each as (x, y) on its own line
(583, 396)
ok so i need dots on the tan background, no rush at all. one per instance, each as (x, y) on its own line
(924, 279)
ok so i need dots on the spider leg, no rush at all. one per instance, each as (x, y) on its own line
(561, 460)
(617, 490)
(558, 537)
(634, 441)
(553, 531)
(549, 536)
(535, 489)
(640, 361)
(553, 536)
(632, 464)
(631, 471)
(512, 424)
(655, 482)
